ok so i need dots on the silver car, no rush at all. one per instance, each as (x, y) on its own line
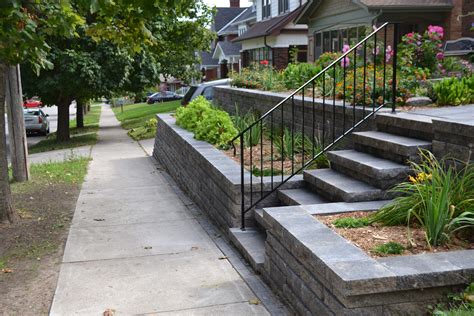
(36, 121)
(206, 89)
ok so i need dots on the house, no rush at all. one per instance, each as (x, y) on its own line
(333, 23)
(228, 52)
(274, 34)
(215, 66)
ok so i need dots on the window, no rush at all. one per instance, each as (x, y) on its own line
(282, 6)
(334, 40)
(259, 54)
(266, 9)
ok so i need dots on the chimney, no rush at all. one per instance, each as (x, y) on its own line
(234, 3)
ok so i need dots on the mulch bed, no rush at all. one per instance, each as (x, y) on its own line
(412, 238)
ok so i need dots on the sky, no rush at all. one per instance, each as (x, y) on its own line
(225, 3)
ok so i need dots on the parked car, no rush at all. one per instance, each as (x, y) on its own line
(162, 97)
(36, 121)
(206, 89)
(32, 103)
(182, 91)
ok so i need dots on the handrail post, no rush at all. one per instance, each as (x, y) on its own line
(242, 184)
(394, 70)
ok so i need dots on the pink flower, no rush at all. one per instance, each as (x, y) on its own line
(440, 56)
(388, 53)
(345, 62)
(410, 35)
(435, 29)
(376, 51)
(346, 48)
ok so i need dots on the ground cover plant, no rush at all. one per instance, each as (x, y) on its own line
(85, 136)
(140, 119)
(32, 247)
(459, 304)
(439, 198)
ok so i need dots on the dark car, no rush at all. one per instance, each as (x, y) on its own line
(162, 97)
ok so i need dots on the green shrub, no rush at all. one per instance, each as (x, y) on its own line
(207, 123)
(351, 222)
(390, 248)
(295, 75)
(188, 117)
(455, 91)
(215, 127)
(439, 198)
(148, 130)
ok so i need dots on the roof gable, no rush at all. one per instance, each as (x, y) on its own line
(223, 16)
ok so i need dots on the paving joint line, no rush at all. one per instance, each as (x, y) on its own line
(193, 308)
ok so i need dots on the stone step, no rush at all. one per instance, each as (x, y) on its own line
(339, 187)
(299, 197)
(379, 172)
(251, 244)
(406, 124)
(344, 207)
(385, 145)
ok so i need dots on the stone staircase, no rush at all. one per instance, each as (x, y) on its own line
(359, 179)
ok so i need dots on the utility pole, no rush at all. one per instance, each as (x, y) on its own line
(16, 125)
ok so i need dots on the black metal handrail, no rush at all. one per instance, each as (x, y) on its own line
(245, 136)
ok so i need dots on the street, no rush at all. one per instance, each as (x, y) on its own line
(52, 111)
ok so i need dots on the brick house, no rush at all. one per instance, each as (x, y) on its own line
(274, 34)
(333, 23)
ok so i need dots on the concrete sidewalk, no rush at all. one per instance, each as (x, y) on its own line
(136, 248)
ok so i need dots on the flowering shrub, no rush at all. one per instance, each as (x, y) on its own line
(422, 51)
(259, 76)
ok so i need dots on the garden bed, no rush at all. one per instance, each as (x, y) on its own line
(373, 238)
(319, 272)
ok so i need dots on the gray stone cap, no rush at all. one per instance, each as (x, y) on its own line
(319, 101)
(464, 127)
(350, 270)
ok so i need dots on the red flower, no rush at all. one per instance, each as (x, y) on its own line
(264, 62)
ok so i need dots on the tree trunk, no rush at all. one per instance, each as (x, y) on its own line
(80, 114)
(62, 134)
(6, 209)
(88, 107)
(16, 125)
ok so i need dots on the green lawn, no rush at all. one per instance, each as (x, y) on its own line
(91, 122)
(75, 141)
(135, 117)
(79, 136)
